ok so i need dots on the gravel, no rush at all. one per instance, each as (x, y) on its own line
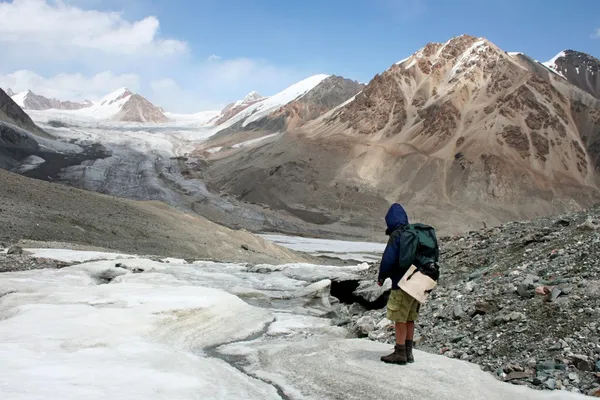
(522, 300)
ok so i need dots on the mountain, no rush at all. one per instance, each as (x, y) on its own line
(11, 113)
(261, 108)
(328, 94)
(31, 101)
(126, 106)
(232, 109)
(10, 92)
(286, 110)
(36, 210)
(460, 132)
(580, 69)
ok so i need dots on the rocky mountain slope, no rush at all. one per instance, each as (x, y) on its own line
(323, 97)
(31, 101)
(233, 109)
(139, 109)
(11, 113)
(579, 69)
(32, 209)
(522, 300)
(125, 106)
(460, 132)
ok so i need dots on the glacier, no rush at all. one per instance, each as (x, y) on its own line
(133, 328)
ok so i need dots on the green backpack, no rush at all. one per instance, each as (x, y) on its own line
(427, 252)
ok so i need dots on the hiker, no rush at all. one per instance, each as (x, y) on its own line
(406, 246)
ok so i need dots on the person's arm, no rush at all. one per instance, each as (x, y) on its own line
(389, 260)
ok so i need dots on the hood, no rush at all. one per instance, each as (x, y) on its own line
(395, 217)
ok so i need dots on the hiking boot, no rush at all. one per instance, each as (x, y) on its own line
(397, 357)
(409, 354)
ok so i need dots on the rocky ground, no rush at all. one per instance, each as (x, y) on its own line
(14, 258)
(522, 300)
(39, 211)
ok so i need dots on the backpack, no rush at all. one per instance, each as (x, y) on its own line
(427, 253)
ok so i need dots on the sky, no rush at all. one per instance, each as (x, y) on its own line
(196, 55)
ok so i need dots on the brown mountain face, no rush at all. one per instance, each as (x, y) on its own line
(233, 109)
(327, 95)
(461, 133)
(139, 109)
(34, 101)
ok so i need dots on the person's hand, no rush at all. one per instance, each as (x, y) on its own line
(379, 283)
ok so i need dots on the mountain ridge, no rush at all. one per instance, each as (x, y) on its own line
(460, 124)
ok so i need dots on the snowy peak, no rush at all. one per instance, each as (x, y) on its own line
(119, 94)
(31, 101)
(579, 69)
(243, 113)
(252, 97)
(12, 113)
(125, 106)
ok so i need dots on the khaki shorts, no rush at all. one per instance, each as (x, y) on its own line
(401, 307)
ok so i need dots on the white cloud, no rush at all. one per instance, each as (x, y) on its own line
(212, 84)
(40, 22)
(65, 49)
(69, 86)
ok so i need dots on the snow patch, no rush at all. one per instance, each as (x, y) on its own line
(404, 60)
(29, 163)
(248, 143)
(20, 98)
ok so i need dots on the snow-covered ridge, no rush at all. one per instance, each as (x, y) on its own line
(551, 64)
(264, 107)
(20, 97)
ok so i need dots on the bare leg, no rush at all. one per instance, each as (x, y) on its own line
(410, 330)
(401, 333)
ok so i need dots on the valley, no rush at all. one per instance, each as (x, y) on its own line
(242, 245)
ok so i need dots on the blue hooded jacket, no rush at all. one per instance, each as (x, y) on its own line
(401, 247)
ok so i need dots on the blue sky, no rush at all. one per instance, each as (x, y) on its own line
(218, 50)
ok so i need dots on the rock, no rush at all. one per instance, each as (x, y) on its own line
(458, 312)
(371, 291)
(15, 250)
(517, 375)
(537, 381)
(515, 316)
(524, 291)
(555, 293)
(365, 325)
(598, 366)
(356, 309)
(483, 308)
(591, 224)
(574, 377)
(583, 363)
(546, 366)
(550, 384)
(245, 247)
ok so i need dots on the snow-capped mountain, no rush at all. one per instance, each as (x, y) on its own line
(460, 125)
(254, 108)
(121, 105)
(232, 109)
(31, 101)
(580, 69)
(12, 113)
